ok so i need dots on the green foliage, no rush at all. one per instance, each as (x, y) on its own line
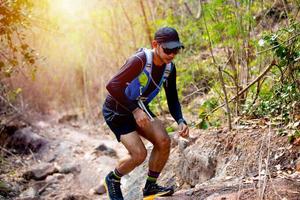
(190, 76)
(206, 108)
(278, 101)
(285, 44)
(15, 52)
(278, 98)
(229, 25)
(170, 129)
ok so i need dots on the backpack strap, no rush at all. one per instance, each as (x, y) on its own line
(148, 69)
(167, 71)
(149, 58)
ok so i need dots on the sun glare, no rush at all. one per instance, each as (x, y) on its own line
(70, 9)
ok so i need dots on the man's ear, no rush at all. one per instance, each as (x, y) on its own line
(154, 44)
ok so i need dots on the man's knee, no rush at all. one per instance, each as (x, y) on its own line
(139, 156)
(163, 143)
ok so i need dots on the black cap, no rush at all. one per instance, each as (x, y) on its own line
(168, 38)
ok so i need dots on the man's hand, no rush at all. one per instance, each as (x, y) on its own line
(183, 130)
(141, 117)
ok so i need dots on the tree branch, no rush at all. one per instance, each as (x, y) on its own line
(246, 88)
(199, 13)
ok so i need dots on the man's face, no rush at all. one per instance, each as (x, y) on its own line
(167, 55)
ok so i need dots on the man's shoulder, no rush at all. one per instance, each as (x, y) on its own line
(141, 54)
(138, 56)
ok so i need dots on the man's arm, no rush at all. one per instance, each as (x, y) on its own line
(129, 71)
(173, 103)
(172, 97)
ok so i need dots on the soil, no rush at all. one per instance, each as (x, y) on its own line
(249, 162)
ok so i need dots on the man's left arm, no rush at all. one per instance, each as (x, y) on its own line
(173, 103)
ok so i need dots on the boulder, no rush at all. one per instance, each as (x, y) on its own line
(25, 140)
(69, 168)
(196, 165)
(40, 171)
(102, 149)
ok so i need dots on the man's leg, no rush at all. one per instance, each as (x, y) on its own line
(160, 139)
(137, 154)
(158, 136)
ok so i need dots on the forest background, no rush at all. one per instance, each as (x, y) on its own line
(241, 58)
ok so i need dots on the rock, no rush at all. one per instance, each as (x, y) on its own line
(49, 156)
(24, 141)
(69, 168)
(189, 192)
(182, 144)
(196, 165)
(102, 149)
(40, 172)
(30, 193)
(98, 190)
(33, 192)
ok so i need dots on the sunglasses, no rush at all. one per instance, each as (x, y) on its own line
(171, 51)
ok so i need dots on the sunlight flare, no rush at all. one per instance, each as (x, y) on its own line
(69, 9)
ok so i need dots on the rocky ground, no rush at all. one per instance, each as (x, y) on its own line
(63, 158)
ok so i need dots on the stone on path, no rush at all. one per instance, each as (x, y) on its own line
(40, 171)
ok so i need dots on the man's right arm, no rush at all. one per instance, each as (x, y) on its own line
(129, 71)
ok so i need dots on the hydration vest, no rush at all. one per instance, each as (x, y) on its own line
(139, 85)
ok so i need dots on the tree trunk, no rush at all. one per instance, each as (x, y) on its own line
(147, 26)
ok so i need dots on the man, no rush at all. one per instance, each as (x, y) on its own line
(126, 112)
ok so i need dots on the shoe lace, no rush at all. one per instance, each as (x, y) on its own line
(116, 189)
(157, 187)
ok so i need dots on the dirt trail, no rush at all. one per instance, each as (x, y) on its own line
(213, 165)
(75, 144)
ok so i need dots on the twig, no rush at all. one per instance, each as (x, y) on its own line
(10, 153)
(199, 13)
(43, 188)
(286, 11)
(196, 91)
(33, 155)
(12, 106)
(220, 74)
(16, 109)
(267, 163)
(246, 88)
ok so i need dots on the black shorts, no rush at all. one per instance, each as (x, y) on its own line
(120, 124)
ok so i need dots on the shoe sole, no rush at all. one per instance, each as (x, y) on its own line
(106, 188)
(152, 197)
